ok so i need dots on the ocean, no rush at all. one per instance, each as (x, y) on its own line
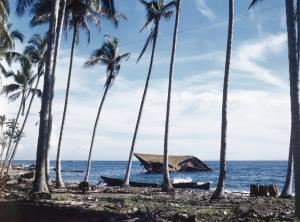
(240, 174)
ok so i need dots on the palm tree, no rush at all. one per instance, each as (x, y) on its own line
(287, 189)
(167, 185)
(77, 15)
(293, 54)
(40, 183)
(222, 174)
(55, 10)
(42, 15)
(109, 56)
(155, 10)
(36, 51)
(294, 96)
(20, 88)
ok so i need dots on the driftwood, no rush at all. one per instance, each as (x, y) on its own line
(263, 190)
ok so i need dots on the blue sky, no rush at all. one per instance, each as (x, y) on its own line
(258, 108)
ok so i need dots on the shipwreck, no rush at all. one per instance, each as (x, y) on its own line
(154, 163)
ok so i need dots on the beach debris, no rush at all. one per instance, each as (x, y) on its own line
(273, 190)
(263, 190)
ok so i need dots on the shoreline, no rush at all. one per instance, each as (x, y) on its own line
(135, 204)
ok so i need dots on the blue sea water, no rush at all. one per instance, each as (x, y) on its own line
(240, 174)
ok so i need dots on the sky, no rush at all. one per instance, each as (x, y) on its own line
(258, 106)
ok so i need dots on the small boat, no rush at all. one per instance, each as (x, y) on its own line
(118, 182)
(190, 185)
(70, 171)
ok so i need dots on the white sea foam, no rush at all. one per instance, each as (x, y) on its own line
(182, 179)
(234, 191)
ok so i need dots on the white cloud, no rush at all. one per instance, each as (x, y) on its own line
(205, 10)
(248, 57)
(254, 125)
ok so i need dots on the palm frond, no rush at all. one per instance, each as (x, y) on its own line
(14, 96)
(125, 56)
(253, 3)
(10, 88)
(22, 6)
(17, 35)
(151, 36)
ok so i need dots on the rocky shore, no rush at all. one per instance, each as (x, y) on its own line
(135, 204)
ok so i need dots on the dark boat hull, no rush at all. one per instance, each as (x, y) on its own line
(190, 185)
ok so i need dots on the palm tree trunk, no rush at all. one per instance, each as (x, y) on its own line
(59, 181)
(129, 164)
(47, 168)
(167, 185)
(24, 123)
(294, 96)
(298, 31)
(287, 189)
(39, 184)
(61, 14)
(8, 151)
(94, 133)
(222, 175)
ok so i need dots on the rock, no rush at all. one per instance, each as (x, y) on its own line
(84, 186)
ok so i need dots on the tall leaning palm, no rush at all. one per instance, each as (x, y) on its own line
(41, 15)
(222, 174)
(77, 15)
(155, 11)
(36, 52)
(294, 97)
(54, 31)
(292, 38)
(55, 9)
(167, 185)
(109, 56)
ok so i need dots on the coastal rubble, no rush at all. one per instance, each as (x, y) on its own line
(137, 204)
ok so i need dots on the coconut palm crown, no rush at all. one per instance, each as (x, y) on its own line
(155, 10)
(109, 56)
